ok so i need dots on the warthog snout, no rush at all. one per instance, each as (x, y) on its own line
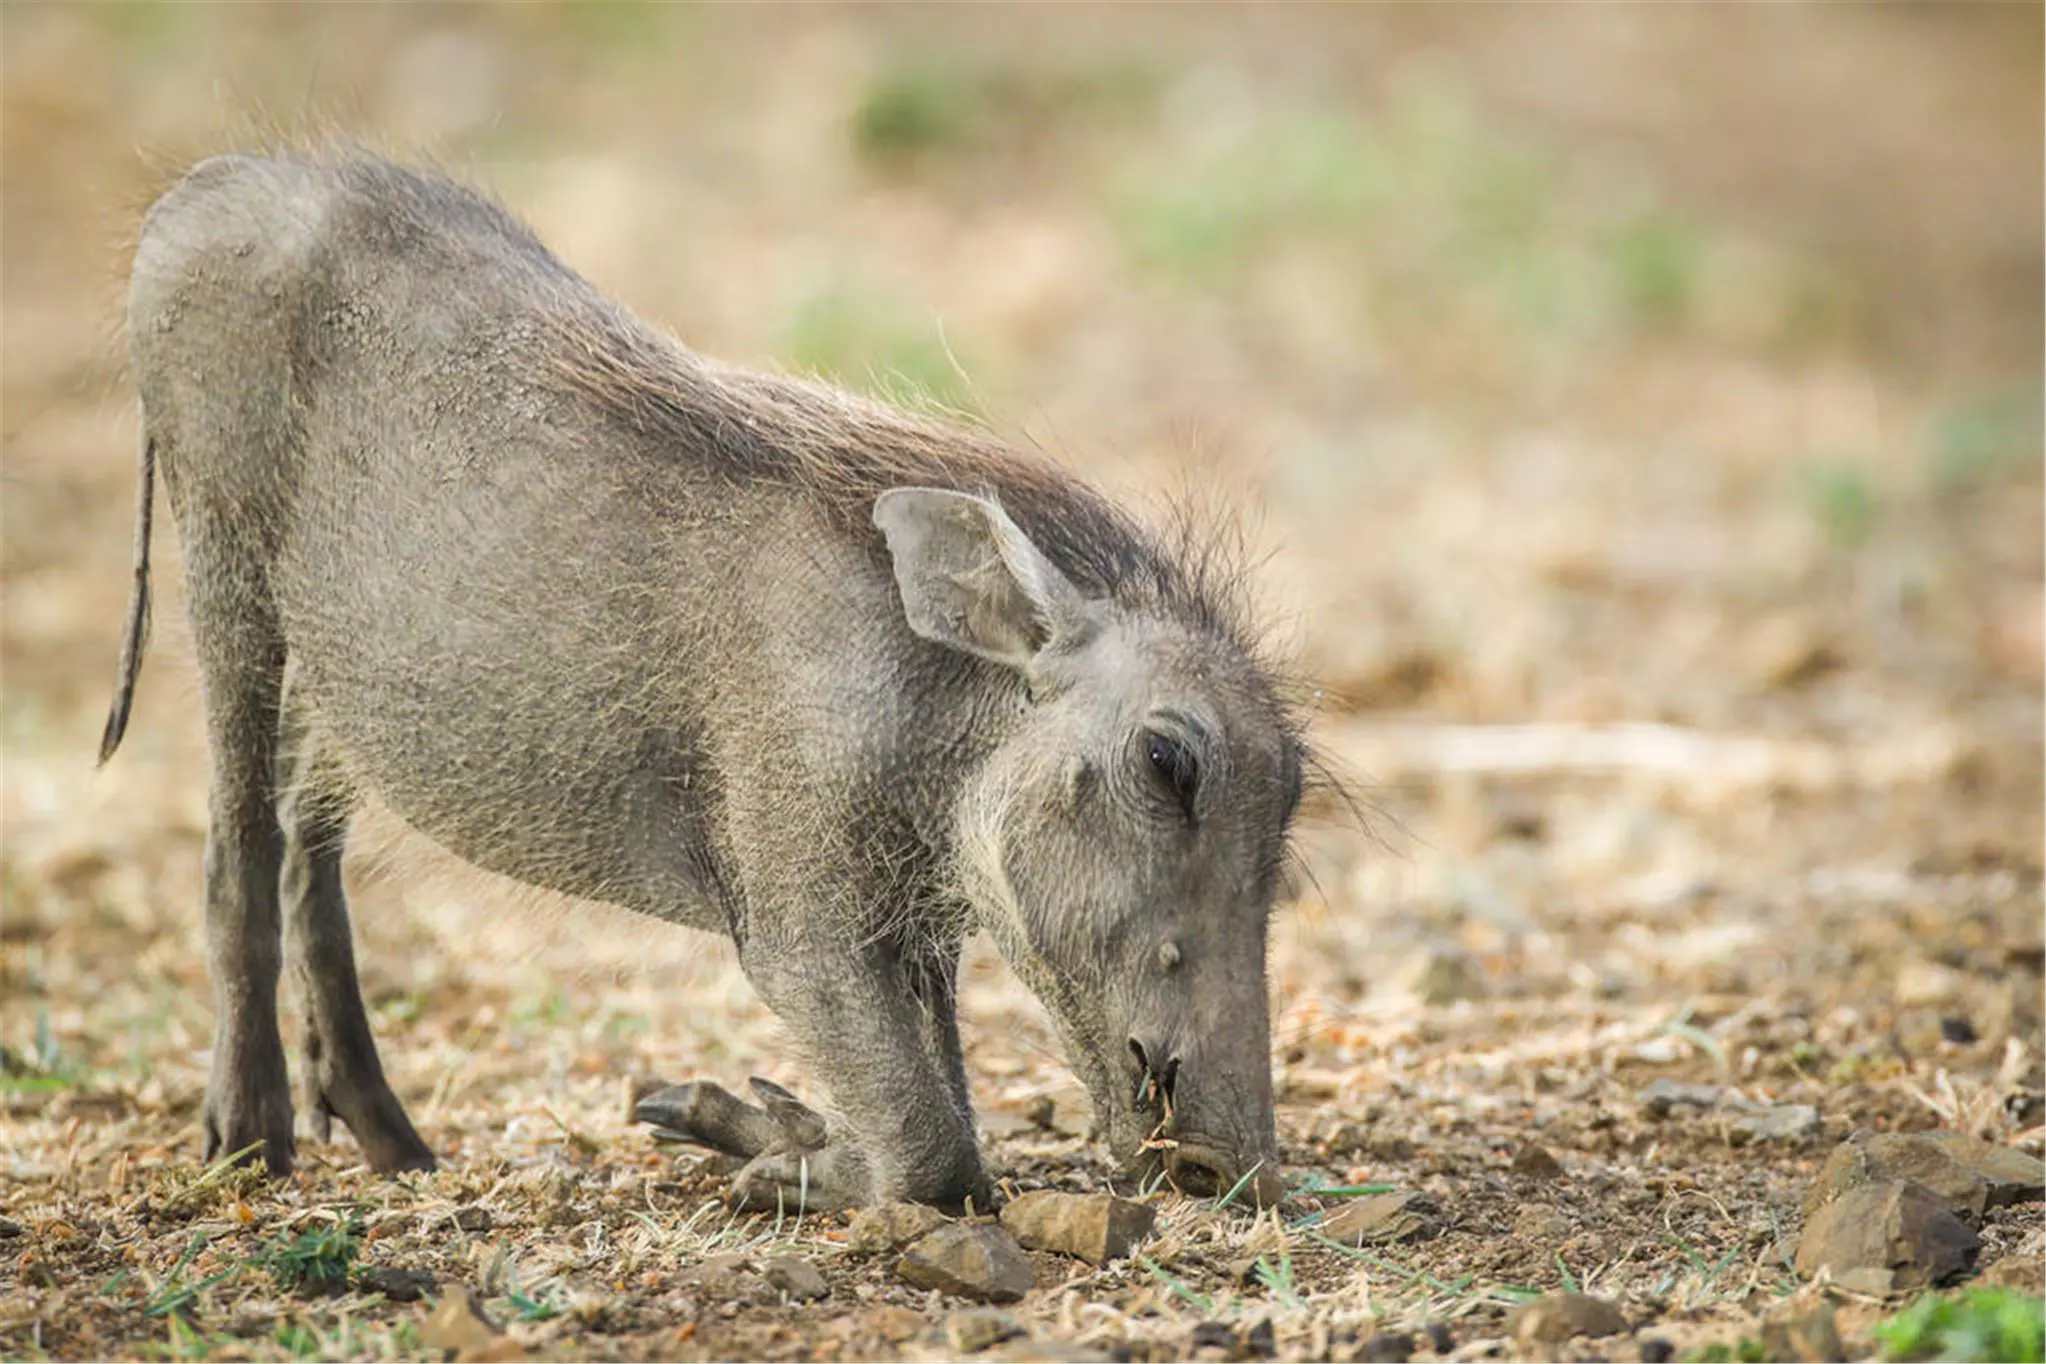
(1185, 1112)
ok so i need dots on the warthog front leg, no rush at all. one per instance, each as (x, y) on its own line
(886, 1044)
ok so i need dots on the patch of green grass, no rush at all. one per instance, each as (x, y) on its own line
(927, 105)
(316, 1260)
(1982, 1323)
(174, 1297)
(550, 1008)
(916, 107)
(1277, 1277)
(1441, 212)
(1843, 499)
(1656, 259)
(1178, 1288)
(1747, 1350)
(46, 1068)
(297, 1341)
(1984, 440)
(860, 335)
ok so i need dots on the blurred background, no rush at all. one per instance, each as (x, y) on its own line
(1574, 367)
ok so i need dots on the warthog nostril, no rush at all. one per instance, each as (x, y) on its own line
(1155, 1081)
(1199, 1171)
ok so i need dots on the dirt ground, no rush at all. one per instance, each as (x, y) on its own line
(1637, 408)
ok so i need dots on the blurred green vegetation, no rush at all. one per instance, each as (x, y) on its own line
(1982, 1323)
(919, 106)
(1434, 208)
(857, 333)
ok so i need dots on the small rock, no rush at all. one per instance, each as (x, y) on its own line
(978, 1260)
(1663, 1097)
(474, 1217)
(975, 1329)
(460, 1328)
(1788, 651)
(1439, 1338)
(1096, 1228)
(1920, 983)
(1778, 1122)
(1395, 1347)
(399, 1285)
(1968, 1175)
(894, 1324)
(1048, 1352)
(1556, 1317)
(1540, 1226)
(1810, 1337)
(891, 1226)
(1656, 1350)
(9, 1229)
(797, 1278)
(2023, 1270)
(1404, 1216)
(1442, 974)
(729, 1278)
(1890, 1236)
(1535, 1162)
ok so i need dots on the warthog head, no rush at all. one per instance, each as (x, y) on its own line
(1124, 839)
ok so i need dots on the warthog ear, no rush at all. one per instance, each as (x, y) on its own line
(971, 579)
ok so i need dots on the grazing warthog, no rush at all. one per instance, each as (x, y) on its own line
(739, 652)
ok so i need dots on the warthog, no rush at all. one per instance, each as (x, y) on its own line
(736, 651)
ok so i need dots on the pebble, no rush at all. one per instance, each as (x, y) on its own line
(978, 1260)
(1556, 1317)
(1886, 1237)
(1395, 1347)
(971, 1331)
(1812, 1337)
(1096, 1228)
(460, 1328)
(797, 1278)
(1535, 1162)
(1403, 1216)
(399, 1285)
(1661, 1097)
(474, 1217)
(891, 1226)
(1779, 1122)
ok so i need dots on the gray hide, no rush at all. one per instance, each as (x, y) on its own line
(738, 652)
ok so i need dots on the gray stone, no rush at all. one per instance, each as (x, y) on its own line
(799, 1279)
(1779, 1122)
(972, 1260)
(1535, 1162)
(1889, 1236)
(1968, 1175)
(1556, 1317)
(973, 1330)
(1810, 1337)
(891, 1226)
(399, 1285)
(1661, 1098)
(1403, 1216)
(1092, 1227)
(474, 1217)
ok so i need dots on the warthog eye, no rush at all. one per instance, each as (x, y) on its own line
(1176, 767)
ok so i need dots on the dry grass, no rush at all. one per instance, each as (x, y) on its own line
(1660, 514)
